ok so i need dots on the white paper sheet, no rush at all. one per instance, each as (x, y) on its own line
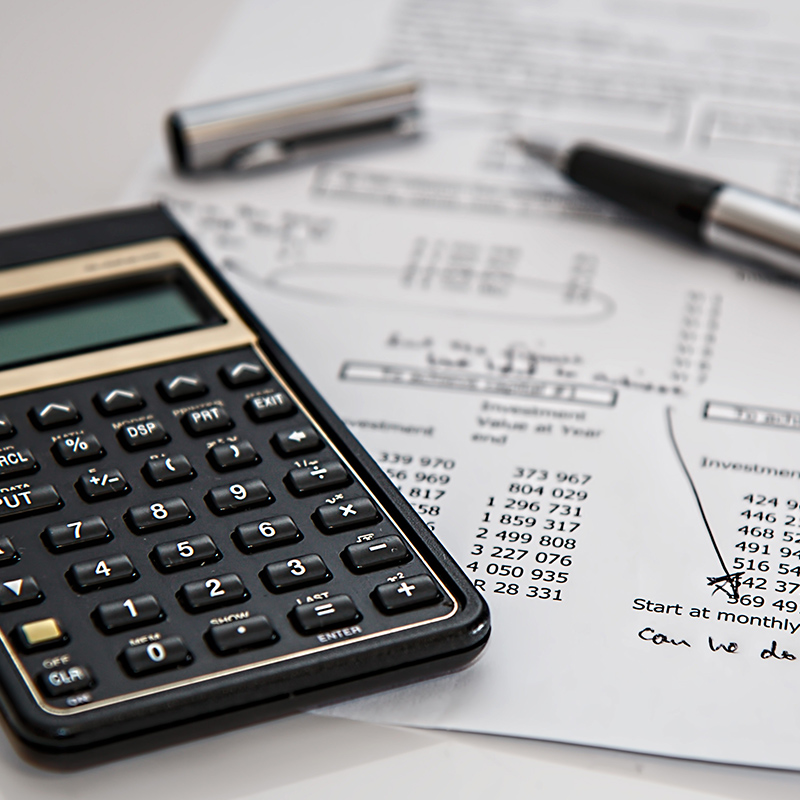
(600, 423)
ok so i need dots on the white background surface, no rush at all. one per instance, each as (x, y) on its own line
(83, 90)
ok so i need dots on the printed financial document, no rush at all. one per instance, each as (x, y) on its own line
(601, 424)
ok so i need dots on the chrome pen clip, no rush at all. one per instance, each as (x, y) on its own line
(287, 124)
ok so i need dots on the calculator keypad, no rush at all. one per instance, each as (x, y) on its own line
(216, 528)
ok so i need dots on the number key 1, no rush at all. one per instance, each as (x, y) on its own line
(128, 613)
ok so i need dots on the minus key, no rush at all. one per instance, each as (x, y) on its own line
(383, 552)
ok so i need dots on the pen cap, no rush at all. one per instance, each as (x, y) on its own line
(273, 126)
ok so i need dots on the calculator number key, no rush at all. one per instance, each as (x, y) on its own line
(232, 455)
(82, 533)
(219, 591)
(129, 613)
(77, 448)
(317, 478)
(163, 514)
(106, 572)
(192, 552)
(96, 485)
(161, 470)
(163, 654)
(331, 613)
(237, 496)
(282, 576)
(266, 533)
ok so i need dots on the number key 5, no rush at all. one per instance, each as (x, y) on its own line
(192, 552)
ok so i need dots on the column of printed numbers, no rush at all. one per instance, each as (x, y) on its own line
(767, 557)
(423, 480)
(528, 536)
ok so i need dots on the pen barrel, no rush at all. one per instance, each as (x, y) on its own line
(668, 196)
(214, 135)
(755, 227)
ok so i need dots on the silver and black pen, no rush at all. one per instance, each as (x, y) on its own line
(725, 217)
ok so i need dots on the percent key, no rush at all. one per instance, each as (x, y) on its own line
(78, 447)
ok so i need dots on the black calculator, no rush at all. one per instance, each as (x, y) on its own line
(186, 528)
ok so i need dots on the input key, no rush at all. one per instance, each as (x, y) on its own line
(24, 500)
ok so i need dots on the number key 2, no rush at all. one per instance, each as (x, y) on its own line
(220, 591)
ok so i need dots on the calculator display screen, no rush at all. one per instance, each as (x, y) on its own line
(99, 317)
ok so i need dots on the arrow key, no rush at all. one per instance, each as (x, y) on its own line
(20, 592)
(243, 373)
(8, 553)
(182, 387)
(117, 400)
(53, 415)
(296, 440)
